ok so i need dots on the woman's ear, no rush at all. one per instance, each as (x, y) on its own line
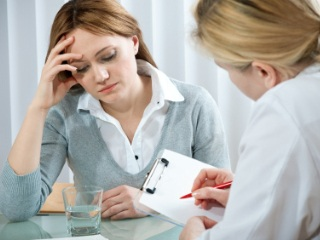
(135, 41)
(266, 73)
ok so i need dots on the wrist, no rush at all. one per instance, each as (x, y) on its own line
(37, 110)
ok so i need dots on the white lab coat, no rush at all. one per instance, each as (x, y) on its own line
(276, 190)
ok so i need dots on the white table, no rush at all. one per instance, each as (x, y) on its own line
(54, 226)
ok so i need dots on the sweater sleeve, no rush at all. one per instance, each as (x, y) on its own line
(210, 144)
(21, 197)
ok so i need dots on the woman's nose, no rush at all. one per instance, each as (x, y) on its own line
(101, 74)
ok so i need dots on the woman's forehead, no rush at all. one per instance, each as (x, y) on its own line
(86, 41)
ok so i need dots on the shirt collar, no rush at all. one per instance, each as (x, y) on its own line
(162, 89)
(161, 84)
(312, 69)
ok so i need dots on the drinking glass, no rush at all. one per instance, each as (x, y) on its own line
(83, 209)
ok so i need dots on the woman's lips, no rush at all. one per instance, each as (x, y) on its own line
(108, 88)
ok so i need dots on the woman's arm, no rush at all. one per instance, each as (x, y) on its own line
(23, 184)
(28, 143)
(24, 156)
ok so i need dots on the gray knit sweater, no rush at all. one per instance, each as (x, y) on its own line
(192, 127)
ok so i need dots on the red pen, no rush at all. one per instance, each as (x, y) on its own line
(220, 186)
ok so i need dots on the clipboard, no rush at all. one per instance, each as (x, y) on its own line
(171, 177)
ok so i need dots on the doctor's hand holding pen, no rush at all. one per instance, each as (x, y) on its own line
(211, 186)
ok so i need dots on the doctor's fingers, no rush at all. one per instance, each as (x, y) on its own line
(211, 177)
(208, 194)
(208, 222)
(203, 177)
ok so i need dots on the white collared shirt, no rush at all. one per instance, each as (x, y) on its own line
(136, 156)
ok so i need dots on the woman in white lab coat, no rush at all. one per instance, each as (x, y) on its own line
(271, 50)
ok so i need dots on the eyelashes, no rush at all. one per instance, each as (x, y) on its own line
(82, 70)
(110, 57)
(103, 59)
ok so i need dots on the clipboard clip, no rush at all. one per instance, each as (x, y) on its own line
(154, 176)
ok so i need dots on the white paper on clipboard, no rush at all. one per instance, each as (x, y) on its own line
(176, 180)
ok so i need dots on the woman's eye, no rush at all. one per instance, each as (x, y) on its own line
(109, 57)
(82, 69)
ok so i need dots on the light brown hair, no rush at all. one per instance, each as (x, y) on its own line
(282, 33)
(100, 17)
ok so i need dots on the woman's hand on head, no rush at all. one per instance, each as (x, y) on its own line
(203, 191)
(51, 89)
(118, 203)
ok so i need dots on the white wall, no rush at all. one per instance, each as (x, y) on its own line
(5, 119)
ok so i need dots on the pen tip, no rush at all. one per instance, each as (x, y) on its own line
(186, 196)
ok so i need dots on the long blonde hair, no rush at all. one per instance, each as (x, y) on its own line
(282, 33)
(101, 17)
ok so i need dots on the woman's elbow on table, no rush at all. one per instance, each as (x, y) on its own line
(17, 214)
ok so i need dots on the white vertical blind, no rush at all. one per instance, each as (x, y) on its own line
(166, 26)
(5, 103)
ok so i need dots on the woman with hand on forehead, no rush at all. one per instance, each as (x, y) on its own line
(104, 107)
(271, 50)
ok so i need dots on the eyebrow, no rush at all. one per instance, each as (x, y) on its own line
(97, 53)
